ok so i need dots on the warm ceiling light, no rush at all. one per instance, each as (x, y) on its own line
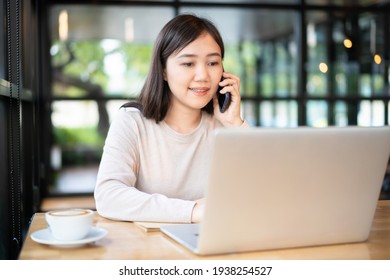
(323, 67)
(63, 25)
(347, 43)
(377, 59)
(129, 29)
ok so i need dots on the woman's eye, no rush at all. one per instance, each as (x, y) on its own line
(214, 63)
(187, 64)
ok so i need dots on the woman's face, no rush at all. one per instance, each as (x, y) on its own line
(193, 73)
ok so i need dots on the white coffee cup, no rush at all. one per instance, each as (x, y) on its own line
(69, 224)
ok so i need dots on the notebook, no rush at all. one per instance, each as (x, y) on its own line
(274, 188)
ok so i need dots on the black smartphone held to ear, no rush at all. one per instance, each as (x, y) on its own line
(223, 99)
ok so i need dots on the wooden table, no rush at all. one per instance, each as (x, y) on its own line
(125, 240)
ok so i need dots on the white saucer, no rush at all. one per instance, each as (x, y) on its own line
(44, 236)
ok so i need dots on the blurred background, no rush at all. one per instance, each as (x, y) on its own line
(67, 66)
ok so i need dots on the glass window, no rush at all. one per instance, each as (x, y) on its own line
(100, 57)
(341, 118)
(78, 132)
(102, 51)
(317, 113)
(278, 114)
(2, 42)
(317, 55)
(371, 113)
(248, 109)
(372, 53)
(267, 114)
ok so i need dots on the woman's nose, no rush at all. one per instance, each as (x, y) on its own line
(201, 73)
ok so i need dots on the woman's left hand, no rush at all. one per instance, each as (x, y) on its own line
(232, 116)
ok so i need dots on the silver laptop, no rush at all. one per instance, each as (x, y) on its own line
(284, 188)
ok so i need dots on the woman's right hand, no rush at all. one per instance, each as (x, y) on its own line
(232, 116)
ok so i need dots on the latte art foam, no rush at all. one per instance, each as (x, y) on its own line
(69, 213)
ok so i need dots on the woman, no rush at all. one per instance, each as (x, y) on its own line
(157, 151)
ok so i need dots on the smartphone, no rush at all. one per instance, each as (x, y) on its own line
(223, 99)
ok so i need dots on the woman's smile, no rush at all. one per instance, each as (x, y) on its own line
(200, 91)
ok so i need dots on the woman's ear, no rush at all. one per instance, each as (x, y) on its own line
(165, 75)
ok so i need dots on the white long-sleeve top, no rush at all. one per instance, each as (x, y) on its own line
(149, 172)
